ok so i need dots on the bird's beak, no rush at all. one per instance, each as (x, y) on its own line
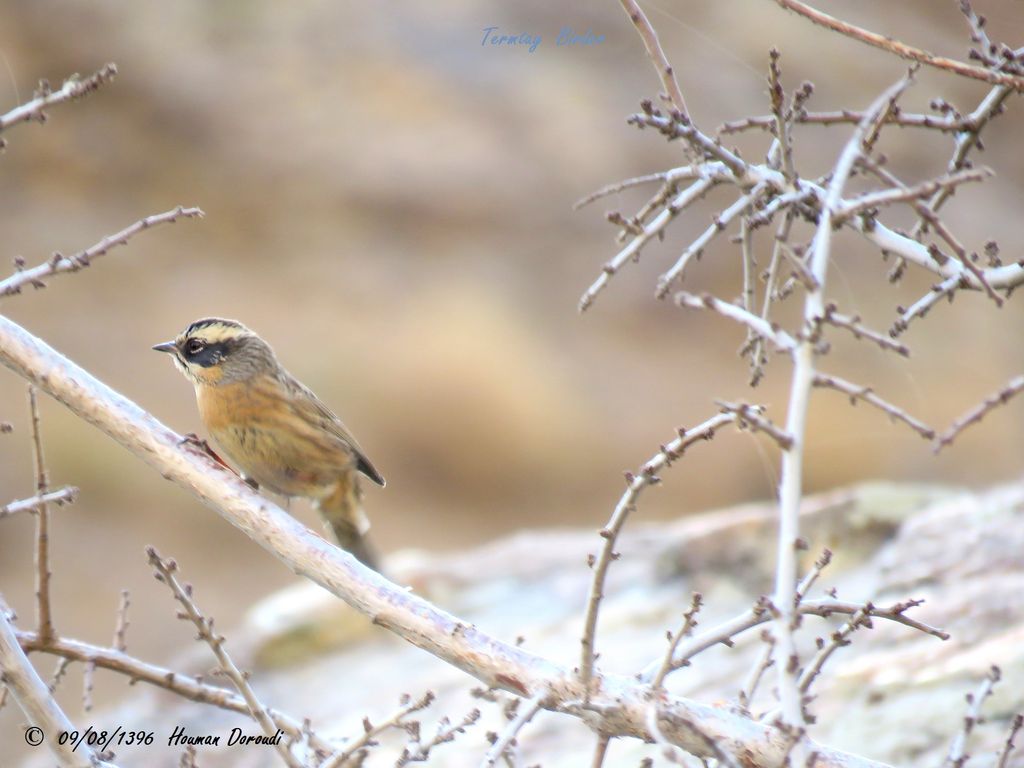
(167, 346)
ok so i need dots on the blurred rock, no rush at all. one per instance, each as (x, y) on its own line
(894, 695)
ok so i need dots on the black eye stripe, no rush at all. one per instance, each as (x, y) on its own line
(206, 354)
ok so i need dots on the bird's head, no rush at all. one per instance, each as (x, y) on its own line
(214, 351)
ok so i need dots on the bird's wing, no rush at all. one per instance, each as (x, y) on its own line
(313, 409)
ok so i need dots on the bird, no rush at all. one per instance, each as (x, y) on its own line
(278, 433)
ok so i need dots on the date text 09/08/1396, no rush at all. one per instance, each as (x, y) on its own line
(105, 739)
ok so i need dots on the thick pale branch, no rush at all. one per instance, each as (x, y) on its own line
(614, 705)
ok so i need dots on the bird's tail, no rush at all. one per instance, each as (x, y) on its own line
(342, 511)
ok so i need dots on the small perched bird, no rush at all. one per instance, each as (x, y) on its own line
(273, 427)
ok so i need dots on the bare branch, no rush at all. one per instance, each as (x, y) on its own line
(957, 756)
(1002, 760)
(632, 251)
(751, 417)
(858, 392)
(656, 55)
(670, 177)
(901, 49)
(920, 307)
(674, 638)
(65, 495)
(782, 340)
(446, 732)
(60, 264)
(36, 701)
(136, 670)
(648, 475)
(165, 572)
(724, 633)
(852, 324)
(507, 737)
(977, 413)
(73, 88)
(371, 731)
(617, 707)
(907, 194)
(121, 629)
(696, 248)
(44, 617)
(848, 117)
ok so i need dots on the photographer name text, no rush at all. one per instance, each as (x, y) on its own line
(567, 38)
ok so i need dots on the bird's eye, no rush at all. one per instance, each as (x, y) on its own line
(194, 346)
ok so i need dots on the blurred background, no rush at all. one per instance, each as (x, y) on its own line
(389, 203)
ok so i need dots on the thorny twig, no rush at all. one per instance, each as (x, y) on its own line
(866, 394)
(59, 264)
(165, 571)
(397, 719)
(73, 88)
(648, 475)
(976, 414)
(957, 756)
(42, 554)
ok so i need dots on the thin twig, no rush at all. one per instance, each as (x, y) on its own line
(674, 638)
(853, 325)
(1003, 759)
(165, 571)
(976, 414)
(648, 475)
(601, 751)
(656, 55)
(66, 495)
(73, 88)
(59, 264)
(669, 177)
(777, 336)
(920, 307)
(724, 633)
(909, 194)
(526, 712)
(653, 229)
(36, 701)
(957, 756)
(902, 49)
(751, 417)
(865, 393)
(185, 686)
(121, 628)
(370, 730)
(754, 677)
(44, 616)
(696, 248)
(848, 117)
(445, 733)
